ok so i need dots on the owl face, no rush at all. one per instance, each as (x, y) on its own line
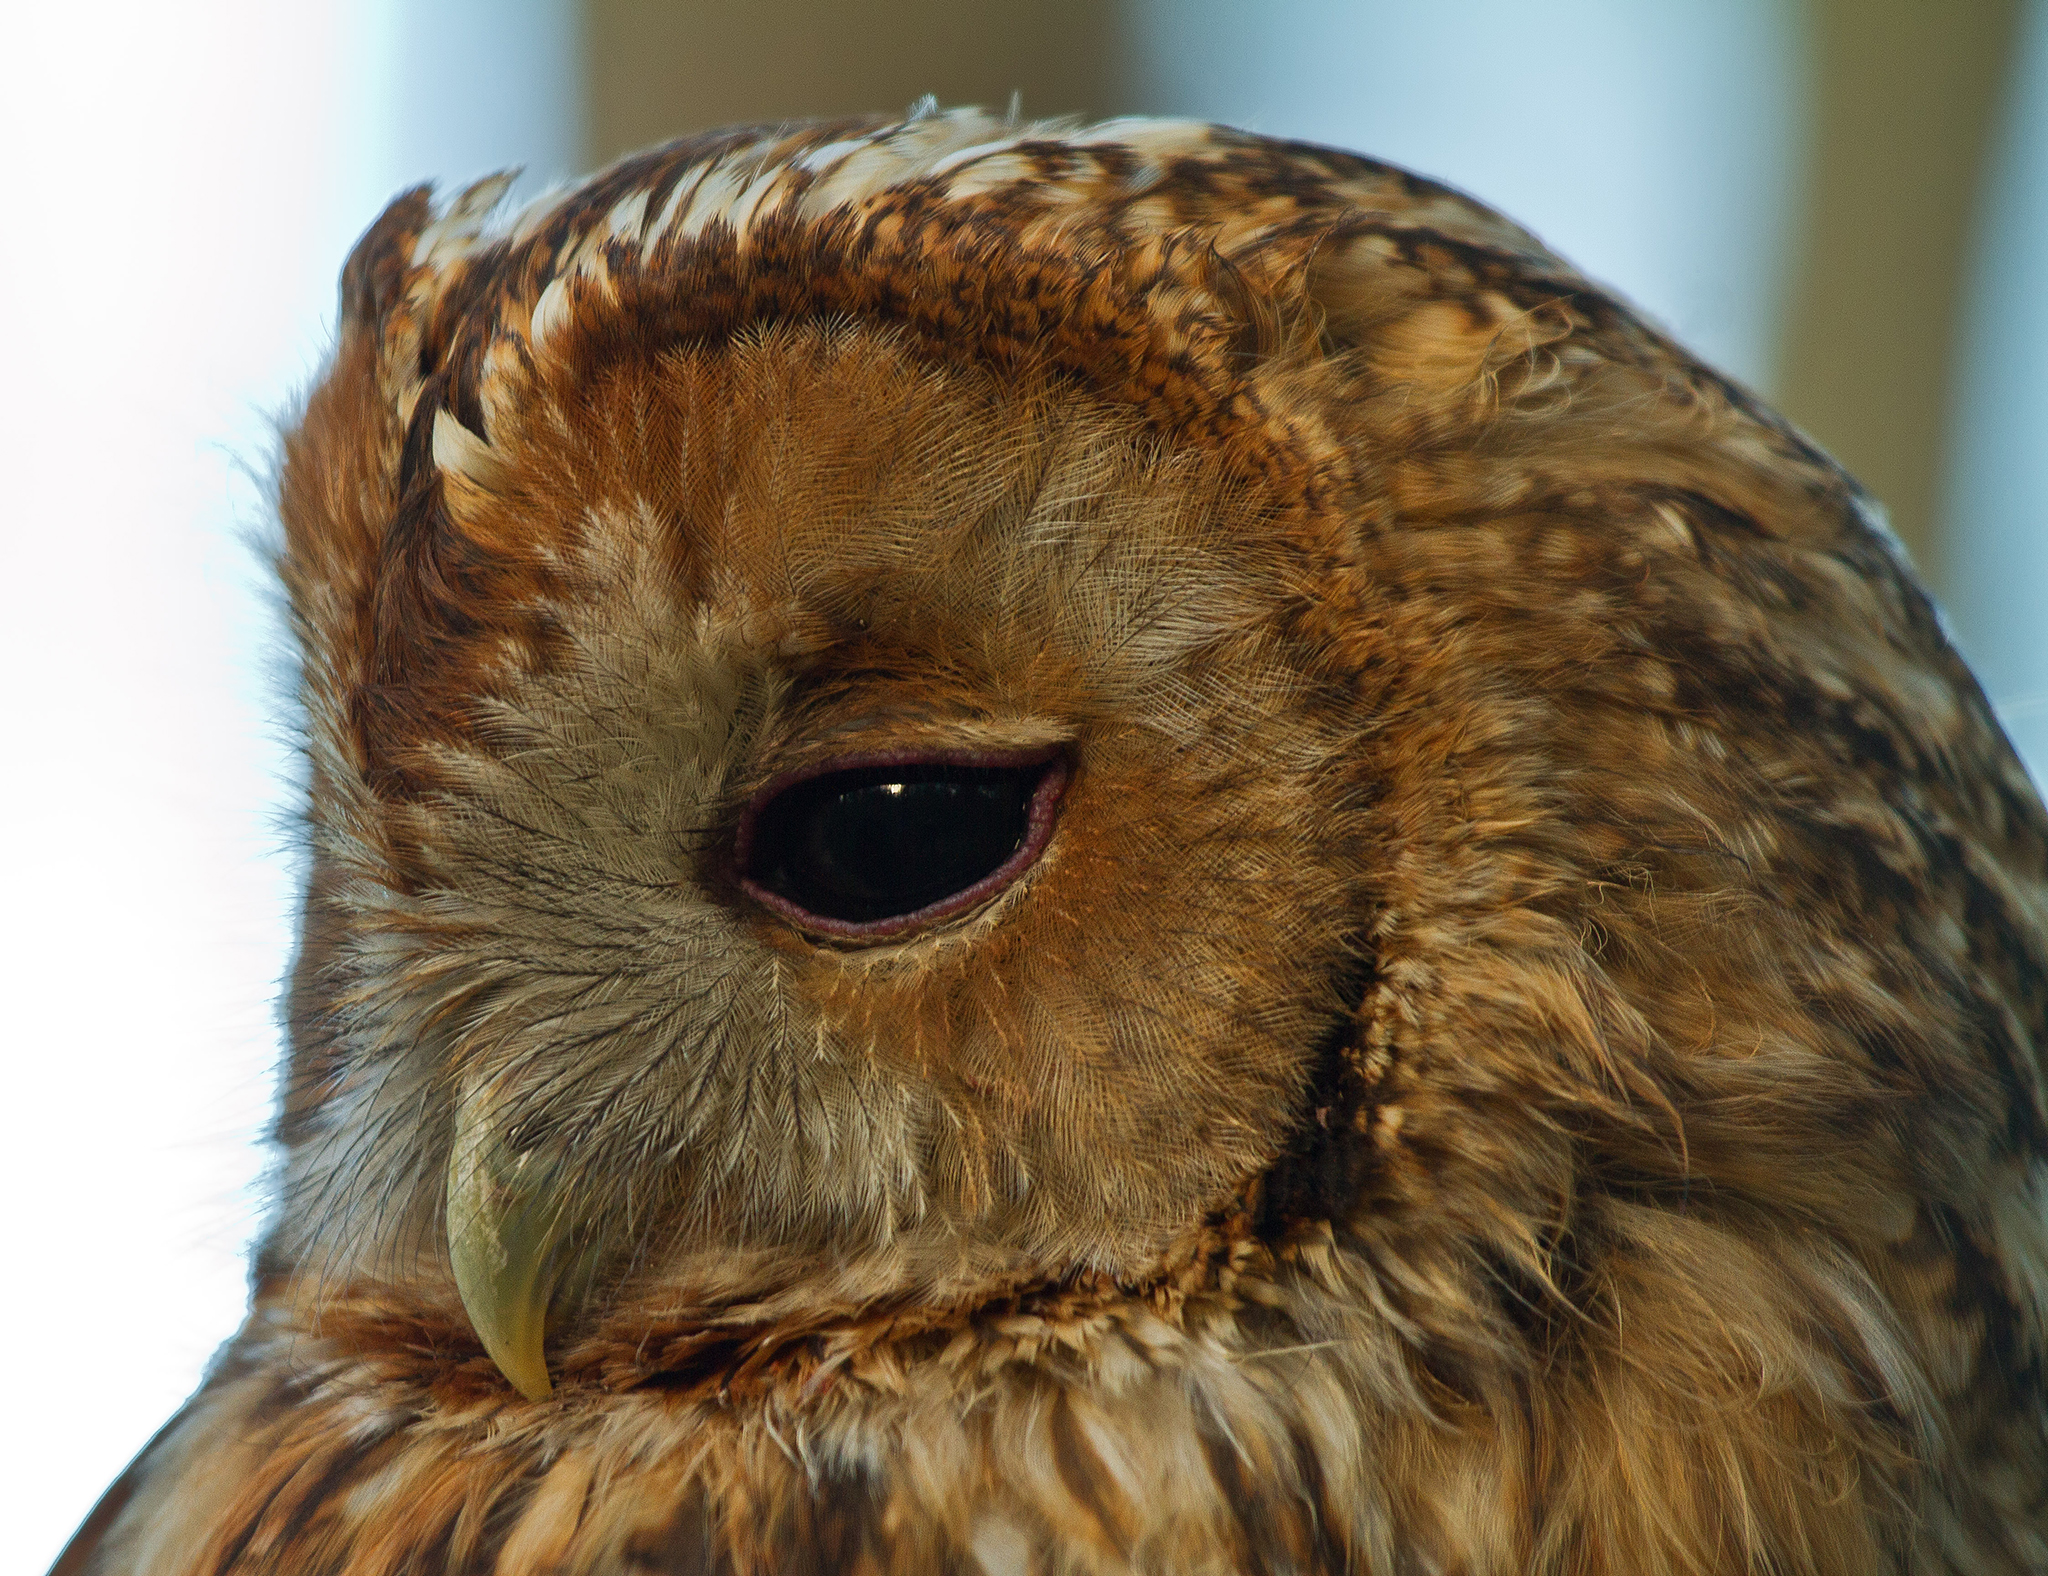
(889, 826)
(1116, 848)
(899, 711)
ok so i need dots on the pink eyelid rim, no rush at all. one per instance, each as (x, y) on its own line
(1045, 800)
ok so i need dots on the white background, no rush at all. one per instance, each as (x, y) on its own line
(185, 181)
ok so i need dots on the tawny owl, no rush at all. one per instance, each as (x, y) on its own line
(1105, 850)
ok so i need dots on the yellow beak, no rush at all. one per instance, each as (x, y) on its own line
(504, 1226)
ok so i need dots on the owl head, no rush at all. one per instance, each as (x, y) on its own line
(904, 710)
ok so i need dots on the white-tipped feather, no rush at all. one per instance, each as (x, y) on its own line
(462, 452)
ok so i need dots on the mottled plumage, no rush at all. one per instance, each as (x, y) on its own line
(1521, 1051)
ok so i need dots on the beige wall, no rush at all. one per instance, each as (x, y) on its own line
(1906, 95)
(662, 67)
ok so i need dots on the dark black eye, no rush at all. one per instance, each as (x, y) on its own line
(874, 849)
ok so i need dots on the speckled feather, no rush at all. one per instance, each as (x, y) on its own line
(1523, 1053)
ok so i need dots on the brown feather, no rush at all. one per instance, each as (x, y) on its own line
(1522, 1054)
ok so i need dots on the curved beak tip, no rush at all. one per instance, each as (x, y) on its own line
(527, 1370)
(501, 1236)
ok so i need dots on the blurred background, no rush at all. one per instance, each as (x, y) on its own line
(1842, 202)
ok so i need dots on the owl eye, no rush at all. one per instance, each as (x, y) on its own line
(875, 849)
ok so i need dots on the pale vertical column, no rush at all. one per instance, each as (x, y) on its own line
(1997, 485)
(458, 89)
